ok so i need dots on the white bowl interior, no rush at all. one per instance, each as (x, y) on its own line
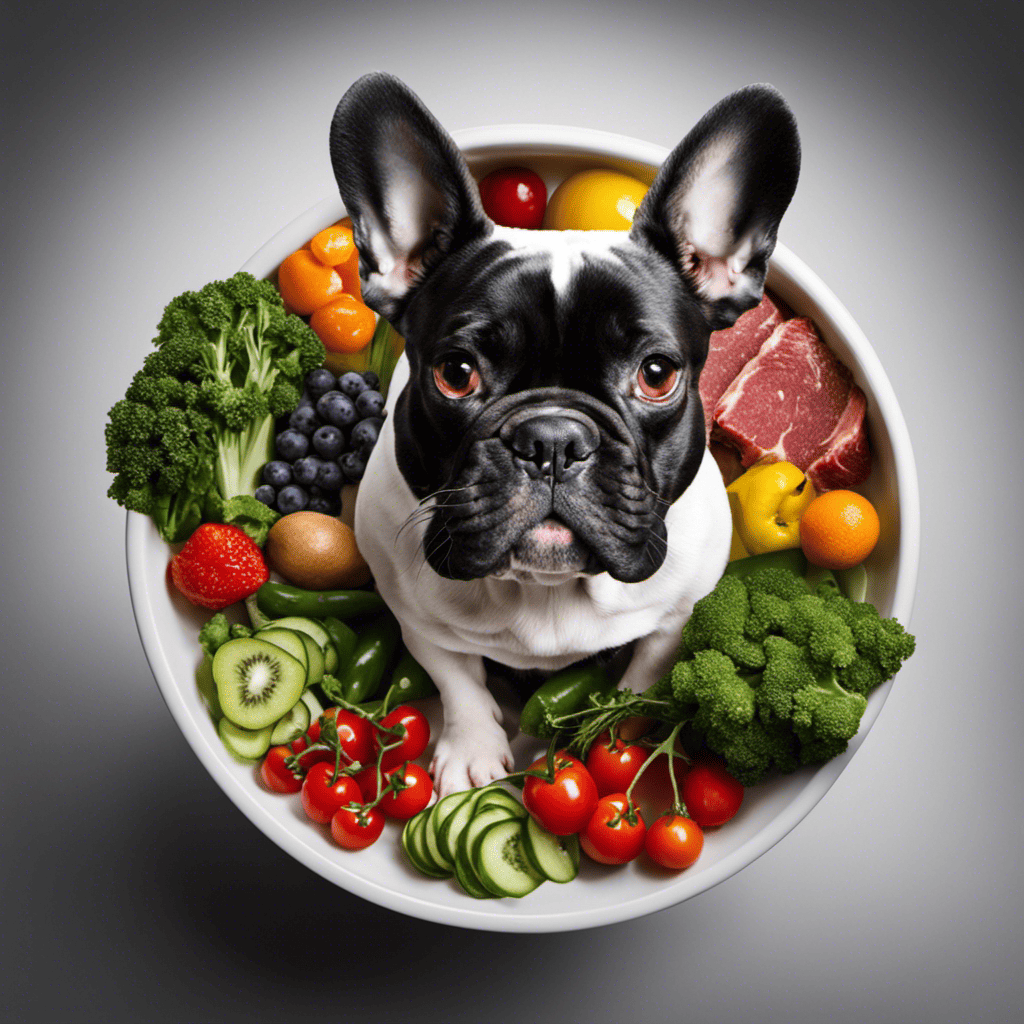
(168, 625)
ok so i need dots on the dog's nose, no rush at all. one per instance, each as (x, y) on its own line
(556, 445)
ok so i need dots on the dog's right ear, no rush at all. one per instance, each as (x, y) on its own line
(405, 185)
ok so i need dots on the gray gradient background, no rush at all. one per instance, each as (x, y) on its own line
(150, 148)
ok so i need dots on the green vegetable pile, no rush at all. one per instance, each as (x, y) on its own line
(769, 672)
(196, 425)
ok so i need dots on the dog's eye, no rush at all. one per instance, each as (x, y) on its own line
(456, 376)
(656, 379)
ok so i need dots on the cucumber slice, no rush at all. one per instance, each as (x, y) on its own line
(330, 658)
(438, 813)
(316, 709)
(464, 870)
(291, 726)
(556, 858)
(413, 844)
(448, 836)
(501, 863)
(257, 682)
(495, 796)
(303, 625)
(245, 744)
(288, 640)
(315, 674)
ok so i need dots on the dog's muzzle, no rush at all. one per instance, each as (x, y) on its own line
(550, 442)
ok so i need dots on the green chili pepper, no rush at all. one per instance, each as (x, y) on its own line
(279, 599)
(344, 639)
(409, 681)
(563, 693)
(377, 643)
(792, 559)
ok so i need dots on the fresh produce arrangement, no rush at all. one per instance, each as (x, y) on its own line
(258, 412)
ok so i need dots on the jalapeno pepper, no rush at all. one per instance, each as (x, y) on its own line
(792, 559)
(279, 599)
(373, 652)
(409, 681)
(344, 639)
(563, 693)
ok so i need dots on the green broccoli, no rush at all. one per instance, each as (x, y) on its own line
(717, 623)
(215, 633)
(196, 424)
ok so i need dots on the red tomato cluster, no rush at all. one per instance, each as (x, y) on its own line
(593, 801)
(375, 778)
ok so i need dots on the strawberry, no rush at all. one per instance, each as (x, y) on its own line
(218, 566)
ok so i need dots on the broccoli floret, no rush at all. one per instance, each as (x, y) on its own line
(215, 633)
(718, 622)
(200, 415)
(753, 751)
(711, 680)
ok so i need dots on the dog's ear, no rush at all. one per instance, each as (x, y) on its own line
(405, 185)
(715, 205)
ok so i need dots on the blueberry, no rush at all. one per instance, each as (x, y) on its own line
(267, 494)
(277, 473)
(291, 445)
(336, 409)
(369, 403)
(319, 382)
(305, 470)
(329, 477)
(304, 420)
(353, 465)
(352, 383)
(325, 505)
(328, 442)
(372, 380)
(364, 435)
(291, 499)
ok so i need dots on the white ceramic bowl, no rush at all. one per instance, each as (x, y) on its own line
(168, 625)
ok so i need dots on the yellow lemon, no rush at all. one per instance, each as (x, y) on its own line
(597, 200)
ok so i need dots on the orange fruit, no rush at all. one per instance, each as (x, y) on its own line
(594, 200)
(305, 283)
(838, 530)
(333, 245)
(344, 324)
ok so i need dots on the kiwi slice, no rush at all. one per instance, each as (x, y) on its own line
(257, 683)
(288, 640)
(245, 744)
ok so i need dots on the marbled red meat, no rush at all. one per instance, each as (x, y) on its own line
(795, 401)
(731, 349)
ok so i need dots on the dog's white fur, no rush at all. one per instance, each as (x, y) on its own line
(523, 619)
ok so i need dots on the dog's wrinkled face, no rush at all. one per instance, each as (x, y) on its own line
(552, 412)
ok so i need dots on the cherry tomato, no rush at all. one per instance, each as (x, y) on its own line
(515, 197)
(415, 795)
(614, 765)
(276, 775)
(674, 841)
(322, 798)
(610, 838)
(355, 734)
(355, 830)
(367, 782)
(711, 794)
(565, 805)
(414, 742)
(306, 761)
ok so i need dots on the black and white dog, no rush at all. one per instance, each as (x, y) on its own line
(541, 489)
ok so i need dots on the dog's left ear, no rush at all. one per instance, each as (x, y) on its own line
(405, 185)
(715, 205)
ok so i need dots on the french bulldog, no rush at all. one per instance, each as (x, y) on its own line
(541, 490)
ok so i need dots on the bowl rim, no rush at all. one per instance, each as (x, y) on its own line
(475, 142)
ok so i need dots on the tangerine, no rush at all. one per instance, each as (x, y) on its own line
(305, 283)
(344, 324)
(838, 530)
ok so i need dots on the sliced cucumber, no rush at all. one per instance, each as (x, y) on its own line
(438, 813)
(448, 836)
(288, 640)
(316, 709)
(315, 656)
(413, 844)
(495, 796)
(330, 657)
(464, 870)
(557, 858)
(303, 625)
(291, 726)
(257, 682)
(245, 744)
(501, 863)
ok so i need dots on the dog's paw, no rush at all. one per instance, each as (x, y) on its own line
(470, 754)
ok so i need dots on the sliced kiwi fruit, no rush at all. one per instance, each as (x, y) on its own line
(257, 682)
(245, 744)
(288, 640)
(291, 726)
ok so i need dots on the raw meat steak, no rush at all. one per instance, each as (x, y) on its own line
(731, 349)
(795, 401)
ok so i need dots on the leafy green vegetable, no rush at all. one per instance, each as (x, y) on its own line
(196, 425)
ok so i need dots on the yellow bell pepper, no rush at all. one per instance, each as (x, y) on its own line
(767, 502)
